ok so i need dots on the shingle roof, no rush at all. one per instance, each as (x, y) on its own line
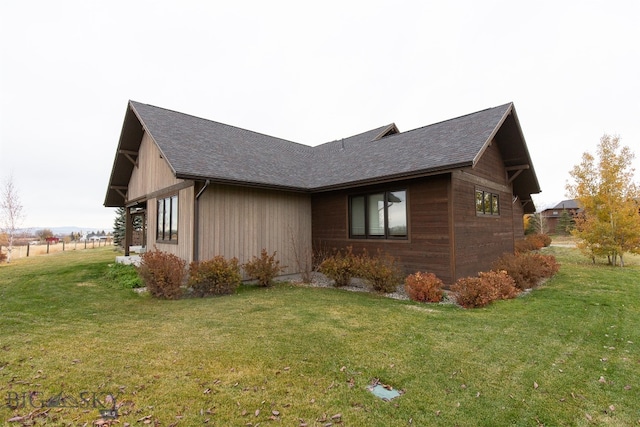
(567, 204)
(200, 148)
(454, 142)
(197, 148)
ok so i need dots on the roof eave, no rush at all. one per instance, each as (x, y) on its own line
(128, 128)
(495, 130)
(392, 178)
(239, 183)
(526, 149)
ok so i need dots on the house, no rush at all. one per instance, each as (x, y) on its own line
(448, 198)
(570, 209)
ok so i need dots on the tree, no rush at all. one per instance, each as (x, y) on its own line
(119, 227)
(610, 223)
(11, 215)
(537, 223)
(44, 233)
(566, 223)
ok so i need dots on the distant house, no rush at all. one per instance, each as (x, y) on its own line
(570, 208)
(448, 198)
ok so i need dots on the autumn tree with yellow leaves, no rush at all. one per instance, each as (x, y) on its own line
(610, 223)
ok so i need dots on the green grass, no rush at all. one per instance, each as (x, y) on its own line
(68, 325)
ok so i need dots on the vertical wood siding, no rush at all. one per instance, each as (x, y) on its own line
(153, 172)
(240, 221)
(151, 177)
(184, 247)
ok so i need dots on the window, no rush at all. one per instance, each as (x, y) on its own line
(380, 215)
(167, 230)
(487, 203)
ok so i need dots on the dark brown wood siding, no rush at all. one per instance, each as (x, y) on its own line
(481, 239)
(446, 235)
(518, 220)
(428, 246)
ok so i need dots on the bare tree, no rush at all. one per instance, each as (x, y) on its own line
(11, 215)
(539, 223)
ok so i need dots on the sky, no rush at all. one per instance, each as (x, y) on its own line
(310, 72)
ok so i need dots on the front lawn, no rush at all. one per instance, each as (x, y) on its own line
(565, 354)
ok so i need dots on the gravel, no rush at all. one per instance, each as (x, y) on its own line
(319, 280)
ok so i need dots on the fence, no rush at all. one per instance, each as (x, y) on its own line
(21, 251)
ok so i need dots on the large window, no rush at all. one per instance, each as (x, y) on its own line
(487, 203)
(380, 215)
(167, 230)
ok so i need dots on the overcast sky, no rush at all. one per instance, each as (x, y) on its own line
(307, 72)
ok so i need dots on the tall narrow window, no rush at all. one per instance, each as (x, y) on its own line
(167, 230)
(160, 229)
(378, 215)
(357, 216)
(397, 213)
(174, 219)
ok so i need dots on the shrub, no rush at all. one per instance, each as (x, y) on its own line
(519, 267)
(2, 256)
(162, 273)
(546, 240)
(471, 292)
(424, 287)
(503, 284)
(341, 266)
(263, 269)
(532, 242)
(525, 245)
(548, 264)
(381, 272)
(527, 269)
(480, 291)
(126, 276)
(217, 276)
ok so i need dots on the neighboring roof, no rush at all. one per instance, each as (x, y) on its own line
(195, 148)
(566, 204)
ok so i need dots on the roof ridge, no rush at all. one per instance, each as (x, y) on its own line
(379, 128)
(454, 118)
(219, 123)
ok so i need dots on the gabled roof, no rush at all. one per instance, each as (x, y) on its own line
(195, 148)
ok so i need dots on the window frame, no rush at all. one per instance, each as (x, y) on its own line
(484, 197)
(167, 215)
(368, 198)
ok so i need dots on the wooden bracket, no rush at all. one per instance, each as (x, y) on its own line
(129, 155)
(121, 190)
(517, 170)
